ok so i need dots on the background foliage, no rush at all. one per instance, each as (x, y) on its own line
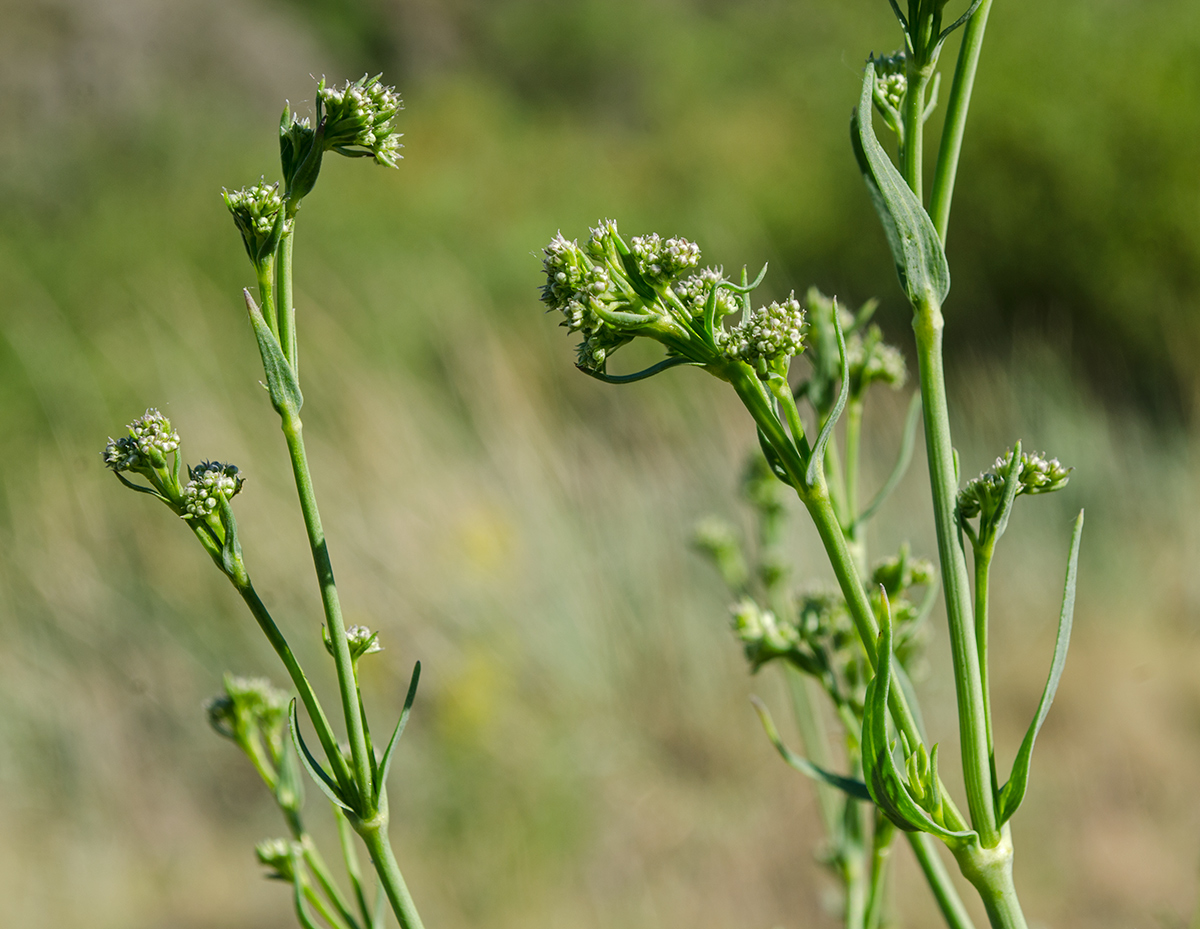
(582, 752)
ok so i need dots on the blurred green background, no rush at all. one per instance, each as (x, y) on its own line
(582, 752)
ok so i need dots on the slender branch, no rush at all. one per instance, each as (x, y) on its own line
(924, 846)
(389, 875)
(928, 325)
(954, 128)
(983, 566)
(914, 127)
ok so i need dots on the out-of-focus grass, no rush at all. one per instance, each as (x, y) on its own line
(582, 752)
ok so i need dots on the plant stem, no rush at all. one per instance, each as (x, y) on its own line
(956, 119)
(347, 686)
(914, 126)
(928, 325)
(924, 846)
(990, 871)
(881, 851)
(858, 545)
(374, 837)
(320, 870)
(287, 308)
(983, 566)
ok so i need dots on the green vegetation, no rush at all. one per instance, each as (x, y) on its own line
(516, 527)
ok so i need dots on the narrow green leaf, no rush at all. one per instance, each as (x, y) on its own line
(1013, 792)
(903, 458)
(231, 549)
(773, 460)
(664, 365)
(816, 461)
(386, 763)
(281, 380)
(852, 787)
(311, 765)
(916, 248)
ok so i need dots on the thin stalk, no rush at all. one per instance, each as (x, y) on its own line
(318, 902)
(266, 292)
(316, 864)
(348, 689)
(956, 119)
(983, 566)
(307, 695)
(990, 871)
(968, 684)
(856, 881)
(389, 874)
(858, 545)
(914, 127)
(287, 307)
(881, 853)
(350, 857)
(924, 846)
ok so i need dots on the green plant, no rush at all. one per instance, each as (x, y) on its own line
(853, 645)
(356, 120)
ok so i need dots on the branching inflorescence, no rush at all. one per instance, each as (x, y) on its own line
(356, 120)
(857, 645)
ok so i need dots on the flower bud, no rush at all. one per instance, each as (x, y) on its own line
(210, 482)
(772, 332)
(277, 855)
(358, 119)
(663, 262)
(149, 441)
(362, 641)
(256, 213)
(693, 292)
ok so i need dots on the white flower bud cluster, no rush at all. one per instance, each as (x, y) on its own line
(891, 81)
(362, 641)
(771, 332)
(1040, 475)
(872, 361)
(570, 281)
(693, 292)
(254, 208)
(150, 437)
(211, 481)
(662, 262)
(360, 114)
(760, 631)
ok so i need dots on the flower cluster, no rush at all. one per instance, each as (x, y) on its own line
(256, 211)
(693, 292)
(278, 855)
(149, 441)
(664, 262)
(872, 360)
(891, 81)
(574, 285)
(210, 482)
(1036, 475)
(359, 119)
(362, 641)
(771, 332)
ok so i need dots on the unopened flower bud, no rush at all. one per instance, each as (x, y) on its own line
(663, 262)
(277, 855)
(255, 212)
(211, 481)
(150, 440)
(771, 332)
(693, 293)
(362, 641)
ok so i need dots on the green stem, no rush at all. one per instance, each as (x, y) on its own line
(266, 292)
(881, 852)
(928, 325)
(287, 307)
(858, 545)
(914, 127)
(374, 837)
(322, 907)
(320, 870)
(983, 565)
(990, 871)
(956, 119)
(350, 857)
(924, 846)
(307, 695)
(348, 688)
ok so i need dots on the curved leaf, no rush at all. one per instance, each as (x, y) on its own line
(1013, 792)
(852, 787)
(903, 458)
(916, 247)
(386, 763)
(327, 785)
(816, 460)
(281, 379)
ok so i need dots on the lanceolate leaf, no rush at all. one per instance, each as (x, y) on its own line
(386, 763)
(916, 247)
(907, 441)
(311, 765)
(854, 788)
(281, 380)
(817, 460)
(1013, 792)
